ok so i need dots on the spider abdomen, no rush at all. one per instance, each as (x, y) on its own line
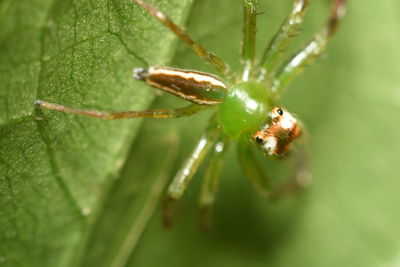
(245, 109)
(194, 86)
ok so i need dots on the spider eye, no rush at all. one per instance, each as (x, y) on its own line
(279, 111)
(259, 140)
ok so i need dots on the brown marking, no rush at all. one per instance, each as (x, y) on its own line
(205, 90)
(283, 136)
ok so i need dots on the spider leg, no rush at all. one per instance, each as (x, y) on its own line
(114, 115)
(249, 36)
(253, 170)
(300, 178)
(189, 168)
(203, 53)
(280, 42)
(211, 181)
(185, 174)
(312, 50)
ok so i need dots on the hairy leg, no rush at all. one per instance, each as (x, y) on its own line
(203, 53)
(115, 115)
(312, 50)
(211, 181)
(301, 176)
(185, 174)
(249, 37)
(278, 45)
(253, 170)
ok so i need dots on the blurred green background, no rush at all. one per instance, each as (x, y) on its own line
(77, 191)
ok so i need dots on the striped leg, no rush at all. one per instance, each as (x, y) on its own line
(312, 50)
(206, 55)
(115, 115)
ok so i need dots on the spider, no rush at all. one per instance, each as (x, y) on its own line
(245, 103)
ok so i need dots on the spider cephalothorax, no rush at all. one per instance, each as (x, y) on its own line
(276, 136)
(245, 102)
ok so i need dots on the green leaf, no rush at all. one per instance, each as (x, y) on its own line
(56, 170)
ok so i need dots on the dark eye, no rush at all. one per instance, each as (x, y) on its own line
(259, 139)
(279, 111)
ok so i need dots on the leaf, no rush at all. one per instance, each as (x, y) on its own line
(56, 168)
(348, 100)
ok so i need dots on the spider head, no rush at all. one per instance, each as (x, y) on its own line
(276, 136)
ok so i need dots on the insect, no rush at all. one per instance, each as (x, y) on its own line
(245, 102)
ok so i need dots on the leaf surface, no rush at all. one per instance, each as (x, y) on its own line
(60, 205)
(55, 168)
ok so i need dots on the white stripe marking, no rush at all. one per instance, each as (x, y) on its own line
(287, 121)
(198, 77)
(270, 145)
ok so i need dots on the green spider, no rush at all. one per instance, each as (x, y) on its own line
(245, 102)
